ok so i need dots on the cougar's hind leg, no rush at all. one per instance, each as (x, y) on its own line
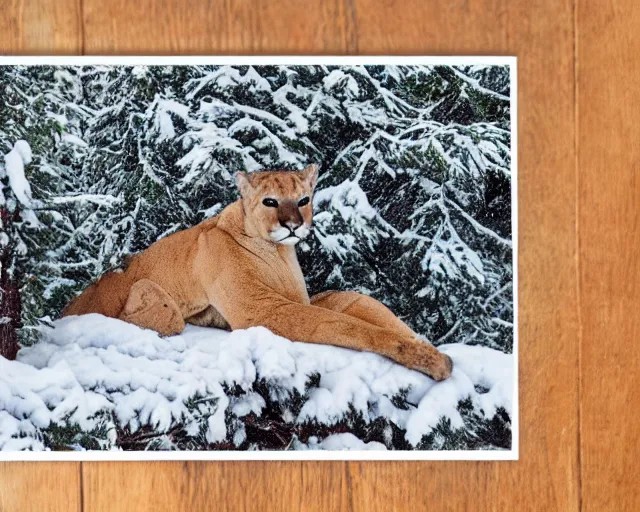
(151, 307)
(209, 317)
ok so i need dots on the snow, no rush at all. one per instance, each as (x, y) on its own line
(256, 112)
(345, 441)
(163, 124)
(69, 138)
(339, 78)
(14, 162)
(90, 367)
(247, 124)
(350, 202)
(296, 114)
(32, 398)
(99, 199)
(227, 76)
(30, 219)
(348, 199)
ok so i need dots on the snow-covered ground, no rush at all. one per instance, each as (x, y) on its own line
(104, 376)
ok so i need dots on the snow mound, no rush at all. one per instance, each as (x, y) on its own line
(106, 375)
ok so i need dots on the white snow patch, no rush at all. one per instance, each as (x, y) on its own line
(89, 364)
(350, 202)
(348, 199)
(345, 441)
(164, 109)
(338, 78)
(15, 160)
(29, 217)
(69, 138)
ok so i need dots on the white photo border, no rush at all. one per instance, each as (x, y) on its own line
(311, 455)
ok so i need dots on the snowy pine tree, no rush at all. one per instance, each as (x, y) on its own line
(38, 107)
(413, 205)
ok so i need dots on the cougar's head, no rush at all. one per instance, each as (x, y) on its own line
(278, 203)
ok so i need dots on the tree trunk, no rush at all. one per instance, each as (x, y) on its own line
(10, 304)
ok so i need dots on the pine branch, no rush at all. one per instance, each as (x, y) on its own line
(479, 227)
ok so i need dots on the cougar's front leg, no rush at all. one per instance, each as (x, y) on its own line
(370, 310)
(151, 307)
(363, 307)
(313, 324)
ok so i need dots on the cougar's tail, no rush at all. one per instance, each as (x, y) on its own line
(107, 296)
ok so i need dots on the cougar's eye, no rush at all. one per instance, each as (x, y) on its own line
(304, 201)
(271, 203)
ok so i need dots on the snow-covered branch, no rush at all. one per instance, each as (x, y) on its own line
(99, 199)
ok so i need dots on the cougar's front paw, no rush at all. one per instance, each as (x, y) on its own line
(442, 368)
(425, 358)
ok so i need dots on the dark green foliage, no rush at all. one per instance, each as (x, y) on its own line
(478, 433)
(68, 435)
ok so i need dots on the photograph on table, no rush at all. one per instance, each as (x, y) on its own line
(258, 258)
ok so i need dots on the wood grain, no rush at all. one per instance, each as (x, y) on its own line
(175, 27)
(568, 219)
(41, 27)
(453, 27)
(35, 487)
(221, 486)
(609, 221)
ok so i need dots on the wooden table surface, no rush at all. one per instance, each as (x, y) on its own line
(579, 152)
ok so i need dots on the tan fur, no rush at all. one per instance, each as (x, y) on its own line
(234, 271)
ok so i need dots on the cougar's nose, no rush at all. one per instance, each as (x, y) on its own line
(289, 216)
(291, 225)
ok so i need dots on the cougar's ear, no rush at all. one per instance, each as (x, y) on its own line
(244, 183)
(310, 174)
